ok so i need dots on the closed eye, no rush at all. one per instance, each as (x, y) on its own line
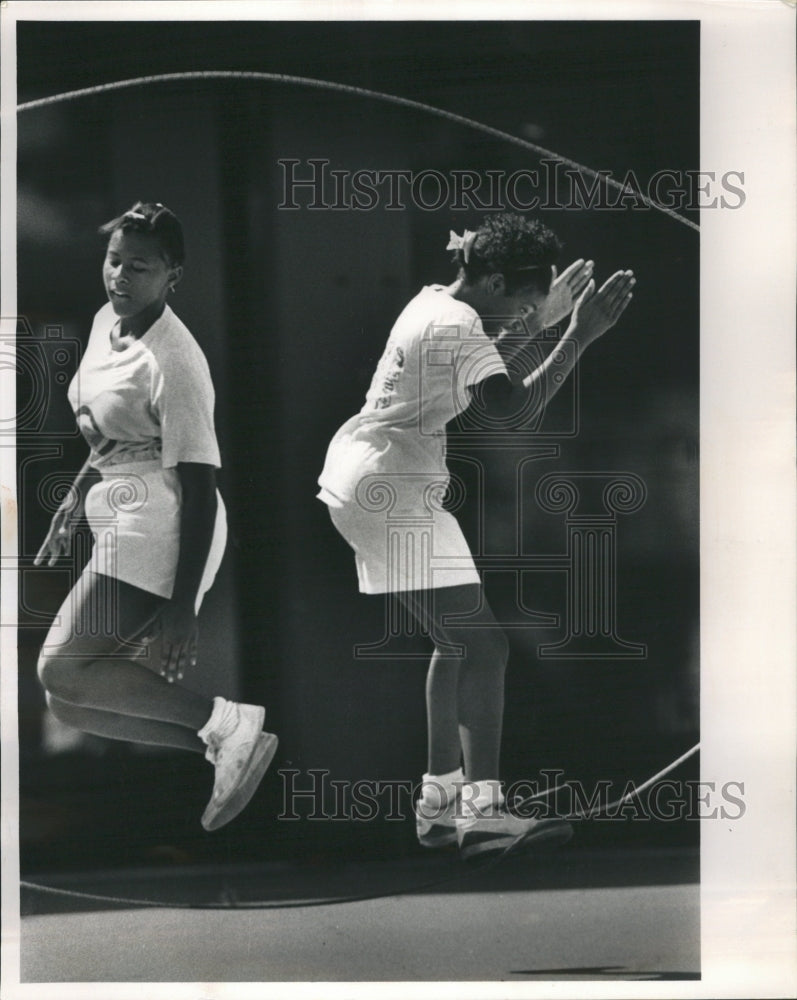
(137, 268)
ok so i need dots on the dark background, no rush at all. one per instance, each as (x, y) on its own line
(292, 310)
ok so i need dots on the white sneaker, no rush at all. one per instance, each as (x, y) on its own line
(241, 760)
(436, 827)
(498, 831)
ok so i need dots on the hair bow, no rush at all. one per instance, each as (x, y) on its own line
(463, 242)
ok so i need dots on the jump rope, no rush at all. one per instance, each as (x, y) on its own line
(466, 870)
(472, 869)
(345, 88)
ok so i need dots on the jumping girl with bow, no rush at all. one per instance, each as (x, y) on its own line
(448, 346)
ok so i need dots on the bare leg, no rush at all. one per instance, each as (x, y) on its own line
(468, 688)
(442, 684)
(113, 726)
(87, 660)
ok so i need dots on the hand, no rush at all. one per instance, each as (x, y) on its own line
(596, 312)
(62, 527)
(176, 625)
(565, 290)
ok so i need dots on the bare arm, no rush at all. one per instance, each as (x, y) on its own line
(62, 527)
(177, 621)
(197, 521)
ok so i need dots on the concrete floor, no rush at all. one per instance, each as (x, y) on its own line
(592, 916)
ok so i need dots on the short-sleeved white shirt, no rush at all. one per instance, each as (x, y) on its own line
(436, 350)
(143, 411)
(153, 400)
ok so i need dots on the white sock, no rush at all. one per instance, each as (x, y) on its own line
(481, 798)
(223, 720)
(438, 790)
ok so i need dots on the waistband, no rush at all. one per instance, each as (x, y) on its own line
(128, 468)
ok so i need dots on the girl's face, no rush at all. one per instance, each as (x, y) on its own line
(135, 274)
(525, 302)
(518, 306)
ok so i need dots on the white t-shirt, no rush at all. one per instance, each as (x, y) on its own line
(436, 350)
(153, 400)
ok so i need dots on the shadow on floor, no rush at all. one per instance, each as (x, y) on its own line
(274, 885)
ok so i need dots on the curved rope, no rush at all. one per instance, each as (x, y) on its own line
(460, 120)
(598, 811)
(459, 876)
(234, 904)
(345, 88)
(636, 792)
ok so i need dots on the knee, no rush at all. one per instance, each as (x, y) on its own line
(55, 705)
(486, 646)
(58, 675)
(499, 643)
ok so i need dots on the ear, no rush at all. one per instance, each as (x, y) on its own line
(495, 284)
(175, 275)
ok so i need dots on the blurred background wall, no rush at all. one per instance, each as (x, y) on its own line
(292, 308)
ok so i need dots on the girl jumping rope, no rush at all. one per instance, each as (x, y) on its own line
(143, 399)
(385, 466)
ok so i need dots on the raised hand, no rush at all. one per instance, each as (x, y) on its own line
(565, 290)
(597, 312)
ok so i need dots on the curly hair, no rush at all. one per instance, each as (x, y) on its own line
(153, 219)
(522, 249)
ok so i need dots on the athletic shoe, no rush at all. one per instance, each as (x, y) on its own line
(500, 831)
(436, 827)
(241, 760)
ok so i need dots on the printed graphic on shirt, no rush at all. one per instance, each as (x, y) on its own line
(93, 421)
(96, 440)
(387, 375)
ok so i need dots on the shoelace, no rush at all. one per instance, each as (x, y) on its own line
(214, 745)
(215, 742)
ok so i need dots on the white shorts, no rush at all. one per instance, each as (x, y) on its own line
(134, 515)
(413, 546)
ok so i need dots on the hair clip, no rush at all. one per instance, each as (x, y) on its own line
(463, 242)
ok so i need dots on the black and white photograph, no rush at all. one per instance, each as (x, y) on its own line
(398, 505)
